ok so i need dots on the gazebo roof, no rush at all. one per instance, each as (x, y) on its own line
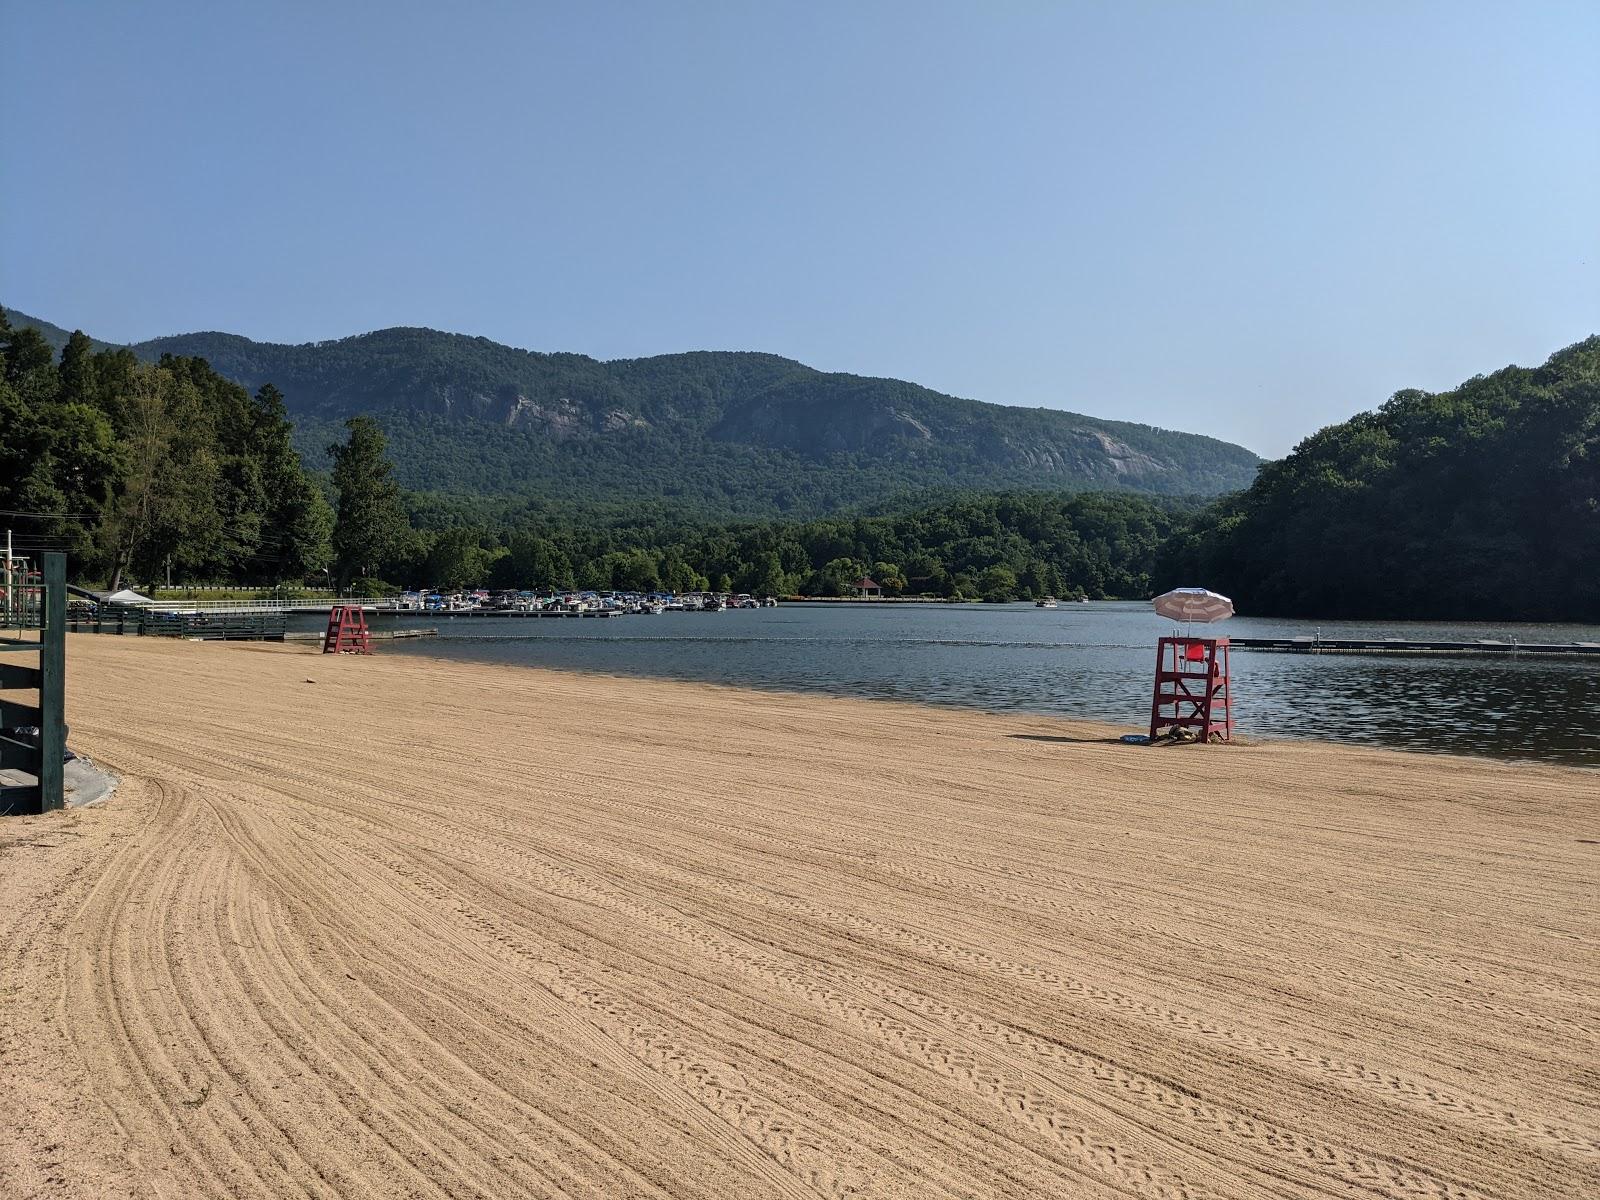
(866, 581)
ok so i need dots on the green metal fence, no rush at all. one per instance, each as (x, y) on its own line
(143, 622)
(33, 659)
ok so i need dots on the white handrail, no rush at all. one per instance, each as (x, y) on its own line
(243, 606)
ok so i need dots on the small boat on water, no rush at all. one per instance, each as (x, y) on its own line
(1047, 602)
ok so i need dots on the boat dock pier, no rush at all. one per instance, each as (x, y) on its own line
(377, 635)
(450, 613)
(1483, 647)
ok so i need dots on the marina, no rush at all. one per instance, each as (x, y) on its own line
(477, 604)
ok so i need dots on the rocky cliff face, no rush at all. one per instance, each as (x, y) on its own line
(843, 414)
(562, 418)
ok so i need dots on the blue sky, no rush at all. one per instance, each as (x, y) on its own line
(1243, 219)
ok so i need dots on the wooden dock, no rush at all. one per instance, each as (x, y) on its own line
(231, 627)
(377, 635)
(1484, 647)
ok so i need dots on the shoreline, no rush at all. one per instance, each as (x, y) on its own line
(1110, 729)
(428, 925)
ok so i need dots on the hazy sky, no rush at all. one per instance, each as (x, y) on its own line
(1243, 219)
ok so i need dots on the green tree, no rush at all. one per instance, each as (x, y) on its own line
(677, 575)
(836, 577)
(1478, 503)
(370, 524)
(635, 571)
(889, 577)
(535, 563)
(128, 527)
(26, 353)
(997, 584)
(457, 560)
(766, 576)
(297, 520)
(77, 368)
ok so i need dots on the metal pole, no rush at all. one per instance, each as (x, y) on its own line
(53, 682)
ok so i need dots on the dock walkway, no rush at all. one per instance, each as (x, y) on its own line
(1311, 645)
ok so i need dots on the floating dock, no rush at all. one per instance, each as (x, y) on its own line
(377, 635)
(1485, 647)
(451, 614)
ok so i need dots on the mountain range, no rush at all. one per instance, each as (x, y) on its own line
(738, 433)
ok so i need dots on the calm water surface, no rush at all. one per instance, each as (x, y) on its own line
(1081, 660)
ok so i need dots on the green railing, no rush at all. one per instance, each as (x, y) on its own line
(33, 737)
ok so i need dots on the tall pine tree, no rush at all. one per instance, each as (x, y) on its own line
(371, 525)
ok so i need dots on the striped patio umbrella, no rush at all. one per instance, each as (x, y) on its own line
(1193, 605)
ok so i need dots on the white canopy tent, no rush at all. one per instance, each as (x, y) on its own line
(130, 598)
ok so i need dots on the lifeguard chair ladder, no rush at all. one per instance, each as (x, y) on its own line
(347, 631)
(1191, 689)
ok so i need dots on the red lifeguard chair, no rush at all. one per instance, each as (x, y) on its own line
(347, 631)
(1192, 689)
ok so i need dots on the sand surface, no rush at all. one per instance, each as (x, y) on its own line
(430, 929)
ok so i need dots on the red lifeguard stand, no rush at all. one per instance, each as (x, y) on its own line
(1192, 688)
(347, 631)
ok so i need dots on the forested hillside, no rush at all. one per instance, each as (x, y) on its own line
(1481, 502)
(729, 434)
(139, 470)
(144, 471)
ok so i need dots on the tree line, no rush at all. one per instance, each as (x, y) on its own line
(971, 546)
(144, 472)
(1482, 502)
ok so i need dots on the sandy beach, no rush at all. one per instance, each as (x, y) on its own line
(404, 927)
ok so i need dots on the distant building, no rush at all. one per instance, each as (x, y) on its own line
(867, 589)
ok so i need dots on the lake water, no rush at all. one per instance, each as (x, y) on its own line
(1081, 660)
